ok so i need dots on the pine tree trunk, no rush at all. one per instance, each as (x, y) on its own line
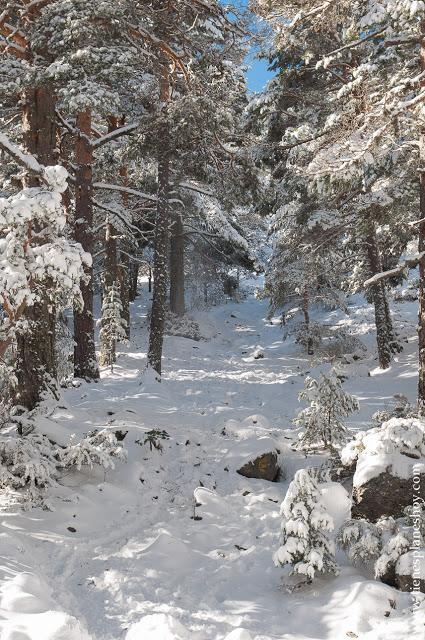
(177, 305)
(160, 275)
(385, 335)
(111, 265)
(124, 269)
(421, 248)
(85, 363)
(305, 306)
(36, 370)
(134, 275)
(157, 324)
(124, 282)
(111, 260)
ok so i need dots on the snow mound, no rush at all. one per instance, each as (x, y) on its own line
(211, 503)
(249, 427)
(158, 626)
(169, 554)
(239, 634)
(336, 501)
(27, 612)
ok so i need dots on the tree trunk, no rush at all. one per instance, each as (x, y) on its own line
(134, 275)
(160, 275)
(177, 305)
(124, 269)
(157, 324)
(385, 336)
(306, 312)
(421, 248)
(36, 364)
(124, 283)
(85, 363)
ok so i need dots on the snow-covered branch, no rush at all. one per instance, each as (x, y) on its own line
(408, 263)
(113, 135)
(131, 192)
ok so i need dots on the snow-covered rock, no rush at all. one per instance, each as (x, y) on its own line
(254, 458)
(387, 458)
(410, 571)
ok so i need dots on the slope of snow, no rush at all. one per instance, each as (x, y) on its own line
(174, 545)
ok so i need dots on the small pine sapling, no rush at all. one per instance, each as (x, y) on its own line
(361, 540)
(321, 421)
(97, 448)
(113, 326)
(305, 544)
(153, 439)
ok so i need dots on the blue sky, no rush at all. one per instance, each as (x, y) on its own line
(257, 74)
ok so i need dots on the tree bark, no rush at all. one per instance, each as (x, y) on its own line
(124, 269)
(134, 275)
(36, 370)
(177, 305)
(160, 275)
(306, 312)
(421, 247)
(85, 363)
(385, 336)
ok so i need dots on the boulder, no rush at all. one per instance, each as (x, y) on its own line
(263, 467)
(384, 495)
(410, 571)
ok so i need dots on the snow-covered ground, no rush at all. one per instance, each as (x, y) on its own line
(174, 545)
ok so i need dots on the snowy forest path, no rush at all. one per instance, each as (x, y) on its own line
(176, 531)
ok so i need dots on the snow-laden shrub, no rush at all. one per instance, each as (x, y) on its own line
(381, 545)
(329, 341)
(27, 461)
(396, 546)
(183, 327)
(400, 408)
(361, 540)
(32, 462)
(98, 448)
(398, 537)
(305, 523)
(321, 421)
(113, 326)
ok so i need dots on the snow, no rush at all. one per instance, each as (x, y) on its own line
(412, 563)
(172, 545)
(36, 615)
(158, 627)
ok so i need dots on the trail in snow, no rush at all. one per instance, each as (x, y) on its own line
(136, 549)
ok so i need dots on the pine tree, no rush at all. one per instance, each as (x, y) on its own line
(113, 326)
(373, 57)
(328, 403)
(305, 543)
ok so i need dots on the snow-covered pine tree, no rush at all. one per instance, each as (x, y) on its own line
(374, 51)
(35, 266)
(112, 325)
(321, 420)
(305, 545)
(186, 125)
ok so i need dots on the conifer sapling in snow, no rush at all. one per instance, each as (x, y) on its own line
(329, 402)
(113, 325)
(305, 544)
